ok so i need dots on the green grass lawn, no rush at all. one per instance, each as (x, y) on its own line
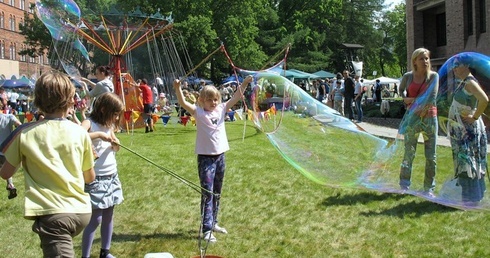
(269, 208)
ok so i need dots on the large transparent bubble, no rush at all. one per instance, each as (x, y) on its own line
(452, 188)
(62, 18)
(331, 150)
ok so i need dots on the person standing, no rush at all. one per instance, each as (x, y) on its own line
(358, 98)
(159, 83)
(104, 84)
(349, 86)
(467, 133)
(418, 89)
(106, 191)
(211, 145)
(7, 123)
(57, 160)
(395, 90)
(146, 92)
(378, 88)
(321, 90)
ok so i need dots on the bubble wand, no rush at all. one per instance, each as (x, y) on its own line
(192, 185)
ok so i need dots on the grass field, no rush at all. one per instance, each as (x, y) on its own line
(268, 207)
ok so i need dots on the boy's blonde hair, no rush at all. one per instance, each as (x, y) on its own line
(208, 92)
(54, 92)
(105, 107)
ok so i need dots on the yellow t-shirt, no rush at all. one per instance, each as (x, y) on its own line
(54, 154)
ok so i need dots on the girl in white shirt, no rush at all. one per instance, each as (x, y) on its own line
(211, 144)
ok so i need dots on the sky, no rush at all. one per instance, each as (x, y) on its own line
(393, 2)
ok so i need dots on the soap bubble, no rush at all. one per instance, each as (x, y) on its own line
(62, 18)
(331, 150)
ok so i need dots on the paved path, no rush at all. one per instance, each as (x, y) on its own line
(391, 133)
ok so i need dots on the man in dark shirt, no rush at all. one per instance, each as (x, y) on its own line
(348, 95)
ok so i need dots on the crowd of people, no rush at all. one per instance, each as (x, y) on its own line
(347, 94)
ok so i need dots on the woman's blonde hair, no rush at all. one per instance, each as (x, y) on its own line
(54, 92)
(416, 53)
(208, 92)
(105, 107)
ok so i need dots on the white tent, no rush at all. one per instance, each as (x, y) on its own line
(382, 80)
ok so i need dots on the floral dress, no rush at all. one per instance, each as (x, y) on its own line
(469, 145)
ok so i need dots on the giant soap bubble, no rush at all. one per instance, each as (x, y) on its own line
(331, 150)
(62, 18)
(452, 187)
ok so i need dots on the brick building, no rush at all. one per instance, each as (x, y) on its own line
(11, 42)
(448, 27)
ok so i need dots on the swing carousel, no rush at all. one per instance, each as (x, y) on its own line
(118, 34)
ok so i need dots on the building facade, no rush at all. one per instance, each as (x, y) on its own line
(12, 42)
(448, 27)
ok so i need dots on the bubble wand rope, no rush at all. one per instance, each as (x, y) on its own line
(245, 108)
(202, 62)
(194, 186)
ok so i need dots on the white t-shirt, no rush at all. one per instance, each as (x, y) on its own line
(13, 97)
(211, 133)
(159, 81)
(106, 163)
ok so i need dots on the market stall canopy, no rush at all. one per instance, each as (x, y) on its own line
(304, 75)
(231, 80)
(324, 74)
(382, 80)
(17, 83)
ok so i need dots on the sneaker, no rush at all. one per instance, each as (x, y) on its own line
(12, 191)
(208, 236)
(219, 229)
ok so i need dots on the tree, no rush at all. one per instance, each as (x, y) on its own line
(254, 31)
(37, 37)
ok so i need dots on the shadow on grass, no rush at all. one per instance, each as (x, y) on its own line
(360, 198)
(411, 209)
(138, 237)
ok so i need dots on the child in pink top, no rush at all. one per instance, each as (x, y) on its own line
(211, 144)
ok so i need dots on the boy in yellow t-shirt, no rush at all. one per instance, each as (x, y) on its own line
(57, 161)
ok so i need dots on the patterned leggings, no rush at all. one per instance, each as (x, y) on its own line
(211, 174)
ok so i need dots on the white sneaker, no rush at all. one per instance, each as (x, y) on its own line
(219, 229)
(208, 236)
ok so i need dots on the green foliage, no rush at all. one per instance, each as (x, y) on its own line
(254, 31)
(37, 37)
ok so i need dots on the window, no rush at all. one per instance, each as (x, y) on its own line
(12, 23)
(22, 5)
(2, 49)
(469, 16)
(23, 58)
(483, 16)
(12, 2)
(2, 20)
(441, 29)
(12, 52)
